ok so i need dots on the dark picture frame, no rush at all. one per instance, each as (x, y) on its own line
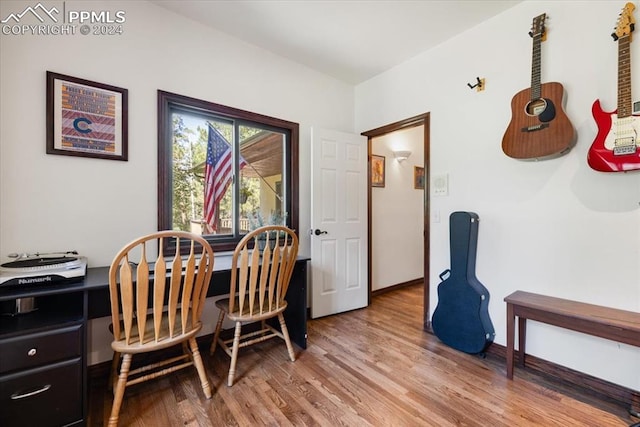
(377, 170)
(86, 118)
(418, 178)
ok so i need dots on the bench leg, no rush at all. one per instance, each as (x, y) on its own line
(511, 330)
(522, 339)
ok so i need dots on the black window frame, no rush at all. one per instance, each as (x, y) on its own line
(167, 102)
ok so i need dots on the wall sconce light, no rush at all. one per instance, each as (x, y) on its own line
(401, 155)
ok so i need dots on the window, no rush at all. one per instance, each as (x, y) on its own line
(224, 171)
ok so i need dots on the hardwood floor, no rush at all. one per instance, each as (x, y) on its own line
(369, 367)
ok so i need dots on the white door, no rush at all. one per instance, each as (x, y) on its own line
(339, 222)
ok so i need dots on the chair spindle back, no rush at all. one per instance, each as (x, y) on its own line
(262, 265)
(133, 277)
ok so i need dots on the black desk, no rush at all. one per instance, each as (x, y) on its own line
(95, 286)
(46, 349)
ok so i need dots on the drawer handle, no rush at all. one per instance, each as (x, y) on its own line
(32, 352)
(16, 396)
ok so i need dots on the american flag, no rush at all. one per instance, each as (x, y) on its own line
(218, 174)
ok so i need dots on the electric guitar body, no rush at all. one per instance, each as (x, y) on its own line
(616, 147)
(602, 154)
(539, 128)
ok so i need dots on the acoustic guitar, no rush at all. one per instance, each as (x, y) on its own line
(616, 147)
(539, 128)
(461, 319)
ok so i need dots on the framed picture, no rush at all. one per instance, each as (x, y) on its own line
(418, 178)
(377, 171)
(85, 118)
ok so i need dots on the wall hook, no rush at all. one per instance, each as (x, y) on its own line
(478, 86)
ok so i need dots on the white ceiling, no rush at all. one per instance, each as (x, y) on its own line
(349, 40)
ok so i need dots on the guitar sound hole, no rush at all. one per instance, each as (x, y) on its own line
(542, 108)
(536, 107)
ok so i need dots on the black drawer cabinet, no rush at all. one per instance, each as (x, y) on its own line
(42, 361)
(43, 396)
(27, 351)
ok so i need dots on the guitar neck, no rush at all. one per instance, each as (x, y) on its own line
(624, 77)
(536, 59)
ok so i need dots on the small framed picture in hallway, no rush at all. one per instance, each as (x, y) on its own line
(418, 178)
(377, 171)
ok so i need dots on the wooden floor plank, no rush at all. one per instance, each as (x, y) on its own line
(369, 367)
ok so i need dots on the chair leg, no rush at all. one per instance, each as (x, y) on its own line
(113, 375)
(186, 350)
(202, 373)
(119, 390)
(234, 353)
(285, 333)
(216, 335)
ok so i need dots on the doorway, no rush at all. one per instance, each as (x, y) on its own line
(420, 120)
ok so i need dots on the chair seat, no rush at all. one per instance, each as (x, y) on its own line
(150, 344)
(245, 316)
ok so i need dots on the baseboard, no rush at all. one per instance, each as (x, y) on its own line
(392, 288)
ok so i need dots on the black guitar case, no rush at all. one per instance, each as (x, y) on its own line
(461, 319)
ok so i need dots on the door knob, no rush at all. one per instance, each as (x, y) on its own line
(318, 232)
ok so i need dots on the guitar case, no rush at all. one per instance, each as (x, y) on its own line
(461, 319)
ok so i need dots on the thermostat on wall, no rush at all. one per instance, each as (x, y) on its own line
(441, 185)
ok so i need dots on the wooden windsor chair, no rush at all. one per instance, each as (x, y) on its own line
(155, 305)
(261, 270)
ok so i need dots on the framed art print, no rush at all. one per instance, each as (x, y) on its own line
(85, 118)
(377, 171)
(418, 178)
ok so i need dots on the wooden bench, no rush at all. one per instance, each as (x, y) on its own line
(614, 324)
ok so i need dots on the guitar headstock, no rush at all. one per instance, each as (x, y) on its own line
(537, 27)
(626, 22)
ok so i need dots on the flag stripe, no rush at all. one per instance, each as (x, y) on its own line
(218, 174)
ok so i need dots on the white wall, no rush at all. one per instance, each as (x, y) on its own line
(554, 227)
(397, 212)
(52, 202)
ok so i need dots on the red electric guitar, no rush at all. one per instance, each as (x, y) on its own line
(539, 128)
(617, 147)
